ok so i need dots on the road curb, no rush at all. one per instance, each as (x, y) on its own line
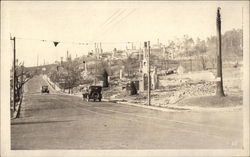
(169, 109)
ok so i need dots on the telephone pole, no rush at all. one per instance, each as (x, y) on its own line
(140, 58)
(242, 28)
(219, 83)
(96, 58)
(14, 72)
(149, 78)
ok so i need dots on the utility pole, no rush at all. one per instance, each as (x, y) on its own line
(14, 72)
(67, 56)
(149, 78)
(219, 83)
(61, 60)
(140, 58)
(242, 29)
(101, 50)
(96, 57)
(22, 89)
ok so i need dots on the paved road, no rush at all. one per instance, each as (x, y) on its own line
(56, 121)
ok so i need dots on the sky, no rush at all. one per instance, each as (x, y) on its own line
(114, 23)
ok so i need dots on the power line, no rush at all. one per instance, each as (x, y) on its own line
(114, 19)
(105, 22)
(112, 25)
(45, 40)
(124, 17)
(118, 22)
(73, 42)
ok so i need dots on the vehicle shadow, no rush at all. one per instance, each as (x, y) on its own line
(38, 122)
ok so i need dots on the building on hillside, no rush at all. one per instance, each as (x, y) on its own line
(106, 56)
(90, 54)
(136, 54)
(119, 54)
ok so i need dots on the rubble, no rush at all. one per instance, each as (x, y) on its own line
(175, 90)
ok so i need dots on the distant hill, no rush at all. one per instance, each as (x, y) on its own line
(39, 69)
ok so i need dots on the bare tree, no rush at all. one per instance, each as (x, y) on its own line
(72, 77)
(22, 75)
(204, 60)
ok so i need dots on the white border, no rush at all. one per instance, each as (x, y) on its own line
(5, 114)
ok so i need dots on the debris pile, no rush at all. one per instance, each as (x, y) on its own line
(178, 92)
(175, 89)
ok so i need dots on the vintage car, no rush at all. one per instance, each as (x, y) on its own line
(93, 92)
(45, 89)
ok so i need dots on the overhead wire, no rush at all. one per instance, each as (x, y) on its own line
(107, 25)
(115, 18)
(105, 22)
(118, 22)
(73, 42)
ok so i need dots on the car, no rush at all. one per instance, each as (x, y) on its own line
(45, 89)
(93, 92)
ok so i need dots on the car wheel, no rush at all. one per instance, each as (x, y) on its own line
(96, 96)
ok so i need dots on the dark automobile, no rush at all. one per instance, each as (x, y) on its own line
(93, 92)
(45, 89)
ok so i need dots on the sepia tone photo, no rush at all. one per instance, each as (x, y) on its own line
(125, 78)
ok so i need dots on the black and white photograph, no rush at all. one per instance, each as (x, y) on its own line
(124, 78)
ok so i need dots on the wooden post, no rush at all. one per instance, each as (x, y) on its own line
(14, 72)
(140, 59)
(149, 78)
(22, 68)
(219, 83)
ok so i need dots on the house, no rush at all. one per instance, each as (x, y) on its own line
(119, 54)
